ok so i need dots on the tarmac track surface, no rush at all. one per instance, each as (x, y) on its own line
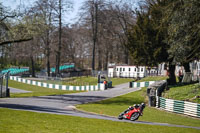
(64, 104)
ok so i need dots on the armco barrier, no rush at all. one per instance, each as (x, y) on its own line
(176, 106)
(181, 107)
(60, 87)
(141, 84)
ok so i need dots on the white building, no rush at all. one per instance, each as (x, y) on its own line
(127, 71)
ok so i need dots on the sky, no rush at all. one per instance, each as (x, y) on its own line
(69, 18)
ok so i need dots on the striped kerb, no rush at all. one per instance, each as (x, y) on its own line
(80, 87)
(60, 87)
(146, 84)
(162, 102)
(138, 84)
(54, 86)
(74, 88)
(85, 88)
(89, 88)
(67, 87)
(179, 107)
(134, 84)
(94, 87)
(198, 110)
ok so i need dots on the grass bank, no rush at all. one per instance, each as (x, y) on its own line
(116, 105)
(36, 90)
(81, 81)
(153, 78)
(12, 121)
(189, 92)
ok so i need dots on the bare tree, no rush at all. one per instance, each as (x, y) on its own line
(62, 6)
(7, 35)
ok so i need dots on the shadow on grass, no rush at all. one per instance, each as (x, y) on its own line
(72, 99)
(35, 108)
(121, 101)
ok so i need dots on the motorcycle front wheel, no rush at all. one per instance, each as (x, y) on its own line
(120, 117)
(134, 116)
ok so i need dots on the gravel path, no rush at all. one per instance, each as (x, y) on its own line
(64, 104)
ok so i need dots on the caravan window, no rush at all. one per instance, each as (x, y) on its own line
(123, 69)
(135, 69)
(129, 69)
(141, 69)
(117, 69)
(120, 69)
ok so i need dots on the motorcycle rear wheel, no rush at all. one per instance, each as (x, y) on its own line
(134, 116)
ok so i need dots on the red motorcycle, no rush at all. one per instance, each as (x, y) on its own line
(132, 113)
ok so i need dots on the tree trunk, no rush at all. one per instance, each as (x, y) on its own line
(48, 55)
(59, 43)
(32, 66)
(187, 67)
(172, 77)
(48, 66)
(100, 59)
(94, 15)
(126, 61)
(106, 62)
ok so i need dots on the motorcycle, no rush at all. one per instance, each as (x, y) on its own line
(132, 113)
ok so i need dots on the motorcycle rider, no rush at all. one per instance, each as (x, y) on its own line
(131, 108)
(134, 106)
(127, 114)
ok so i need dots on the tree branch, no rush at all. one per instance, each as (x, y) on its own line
(15, 41)
(7, 17)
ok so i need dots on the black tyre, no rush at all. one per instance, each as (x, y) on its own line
(134, 116)
(120, 117)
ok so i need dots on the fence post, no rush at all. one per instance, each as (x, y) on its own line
(1, 83)
(7, 89)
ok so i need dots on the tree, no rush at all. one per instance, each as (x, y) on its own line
(184, 31)
(6, 28)
(45, 10)
(147, 39)
(60, 9)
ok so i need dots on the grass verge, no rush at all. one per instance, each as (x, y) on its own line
(75, 81)
(154, 78)
(12, 121)
(189, 92)
(114, 106)
(82, 81)
(118, 81)
(36, 90)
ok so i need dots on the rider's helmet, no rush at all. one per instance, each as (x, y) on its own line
(143, 105)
